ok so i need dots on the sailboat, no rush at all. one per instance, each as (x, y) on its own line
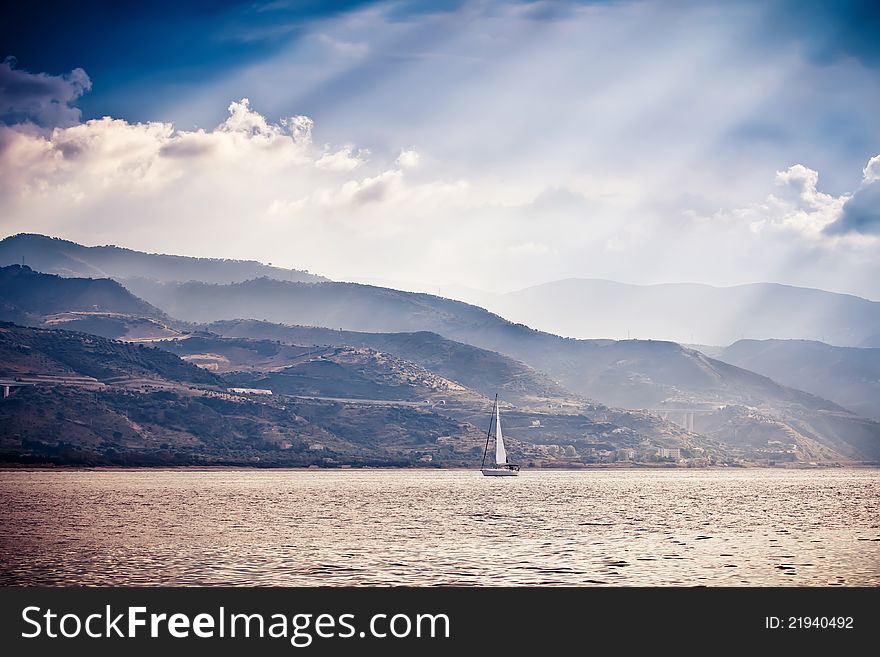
(501, 467)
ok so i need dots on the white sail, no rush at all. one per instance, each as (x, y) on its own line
(500, 452)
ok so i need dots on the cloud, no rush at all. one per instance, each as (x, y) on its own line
(799, 205)
(821, 219)
(345, 159)
(639, 141)
(87, 159)
(39, 98)
(871, 172)
(861, 212)
(248, 175)
(252, 187)
(408, 159)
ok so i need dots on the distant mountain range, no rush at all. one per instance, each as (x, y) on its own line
(429, 336)
(579, 308)
(630, 373)
(688, 313)
(56, 256)
(848, 376)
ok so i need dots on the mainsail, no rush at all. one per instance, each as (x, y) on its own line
(500, 452)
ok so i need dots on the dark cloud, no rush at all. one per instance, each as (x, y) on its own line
(38, 98)
(861, 214)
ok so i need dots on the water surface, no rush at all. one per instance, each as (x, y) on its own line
(419, 527)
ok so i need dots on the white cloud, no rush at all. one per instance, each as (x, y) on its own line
(113, 156)
(799, 206)
(822, 219)
(408, 159)
(345, 159)
(871, 172)
(153, 186)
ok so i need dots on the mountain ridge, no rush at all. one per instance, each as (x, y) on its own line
(58, 256)
(661, 376)
(689, 312)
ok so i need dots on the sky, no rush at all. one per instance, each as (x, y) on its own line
(493, 145)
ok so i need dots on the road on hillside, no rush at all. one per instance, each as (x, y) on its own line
(378, 402)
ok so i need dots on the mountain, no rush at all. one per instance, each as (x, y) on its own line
(590, 308)
(631, 373)
(26, 294)
(634, 374)
(806, 428)
(341, 371)
(846, 375)
(484, 371)
(26, 353)
(57, 256)
(79, 399)
(682, 384)
(98, 306)
(75, 398)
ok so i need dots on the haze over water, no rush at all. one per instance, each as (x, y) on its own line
(420, 527)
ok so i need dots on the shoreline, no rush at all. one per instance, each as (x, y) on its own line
(251, 468)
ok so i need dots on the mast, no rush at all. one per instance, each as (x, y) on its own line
(489, 432)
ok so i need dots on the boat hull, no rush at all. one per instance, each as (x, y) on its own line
(499, 472)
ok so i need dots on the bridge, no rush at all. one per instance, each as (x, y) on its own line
(8, 385)
(683, 417)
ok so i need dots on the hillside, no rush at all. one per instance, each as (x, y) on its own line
(630, 373)
(69, 259)
(361, 373)
(80, 399)
(768, 414)
(29, 352)
(116, 426)
(342, 372)
(77, 398)
(484, 371)
(27, 296)
(686, 312)
(99, 306)
(634, 374)
(846, 375)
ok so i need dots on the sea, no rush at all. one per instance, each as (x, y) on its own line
(423, 527)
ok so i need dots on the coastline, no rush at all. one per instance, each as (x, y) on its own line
(251, 468)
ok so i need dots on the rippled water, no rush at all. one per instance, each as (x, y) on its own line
(406, 527)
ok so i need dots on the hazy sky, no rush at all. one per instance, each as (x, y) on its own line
(489, 144)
